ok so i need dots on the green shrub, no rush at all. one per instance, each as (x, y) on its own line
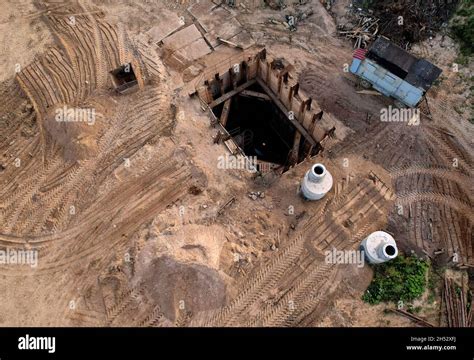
(462, 28)
(403, 278)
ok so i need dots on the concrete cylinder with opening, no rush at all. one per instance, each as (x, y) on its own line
(379, 247)
(316, 183)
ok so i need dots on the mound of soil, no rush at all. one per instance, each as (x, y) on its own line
(78, 128)
(177, 286)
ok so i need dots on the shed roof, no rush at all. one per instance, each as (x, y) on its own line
(418, 72)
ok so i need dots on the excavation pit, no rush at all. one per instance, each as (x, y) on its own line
(124, 78)
(258, 126)
(261, 112)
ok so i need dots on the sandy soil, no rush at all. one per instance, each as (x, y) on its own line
(23, 35)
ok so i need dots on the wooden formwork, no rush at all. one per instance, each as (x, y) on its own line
(275, 76)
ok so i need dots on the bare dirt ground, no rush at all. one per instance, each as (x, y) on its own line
(126, 214)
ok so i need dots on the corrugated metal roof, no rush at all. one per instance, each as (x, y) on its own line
(359, 54)
(418, 72)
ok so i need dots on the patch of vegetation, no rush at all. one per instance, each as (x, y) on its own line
(414, 310)
(462, 28)
(438, 81)
(366, 4)
(458, 109)
(434, 283)
(462, 59)
(403, 278)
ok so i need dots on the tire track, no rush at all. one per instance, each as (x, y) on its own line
(460, 205)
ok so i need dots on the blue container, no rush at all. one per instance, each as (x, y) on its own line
(387, 83)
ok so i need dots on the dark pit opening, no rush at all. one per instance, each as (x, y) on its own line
(318, 170)
(390, 250)
(124, 77)
(259, 127)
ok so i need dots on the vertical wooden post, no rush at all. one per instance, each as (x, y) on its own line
(209, 96)
(220, 84)
(280, 81)
(245, 70)
(233, 78)
(257, 59)
(301, 112)
(291, 94)
(296, 88)
(316, 117)
(269, 68)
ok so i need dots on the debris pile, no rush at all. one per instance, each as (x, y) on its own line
(294, 14)
(254, 195)
(403, 21)
(292, 19)
(365, 30)
(276, 4)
